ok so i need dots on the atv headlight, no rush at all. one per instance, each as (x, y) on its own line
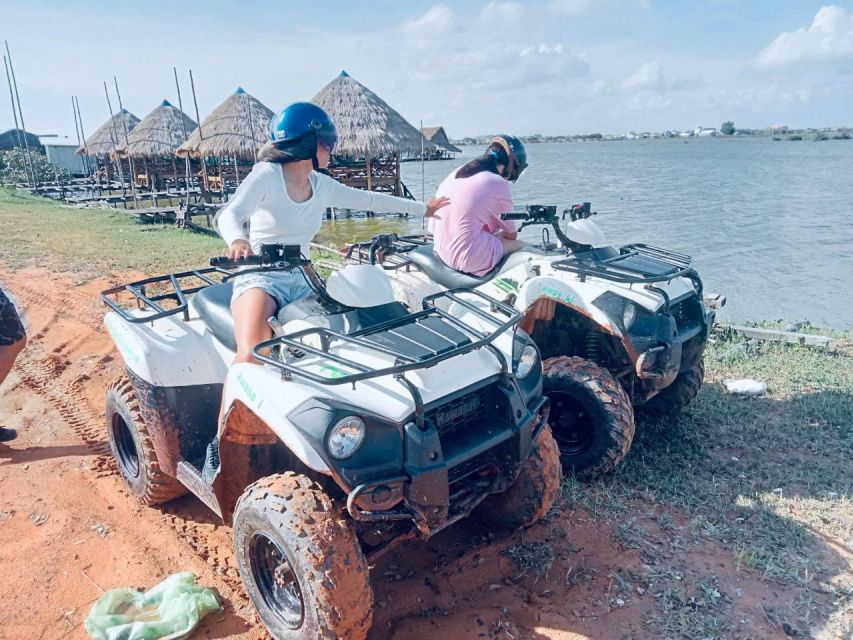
(629, 315)
(527, 361)
(346, 437)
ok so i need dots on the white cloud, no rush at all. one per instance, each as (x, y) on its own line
(501, 13)
(436, 21)
(570, 7)
(649, 77)
(829, 37)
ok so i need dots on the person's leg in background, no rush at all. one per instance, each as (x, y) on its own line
(13, 339)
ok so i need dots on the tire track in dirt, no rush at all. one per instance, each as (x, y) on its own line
(43, 374)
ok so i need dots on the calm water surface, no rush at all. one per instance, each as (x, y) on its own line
(769, 224)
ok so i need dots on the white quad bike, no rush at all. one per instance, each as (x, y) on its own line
(618, 328)
(363, 426)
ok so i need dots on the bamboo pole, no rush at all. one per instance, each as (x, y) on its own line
(127, 145)
(15, 116)
(77, 131)
(187, 176)
(369, 176)
(423, 179)
(83, 135)
(21, 114)
(252, 140)
(114, 140)
(200, 137)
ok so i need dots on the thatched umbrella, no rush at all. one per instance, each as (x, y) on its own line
(159, 134)
(101, 144)
(155, 139)
(108, 136)
(368, 128)
(236, 128)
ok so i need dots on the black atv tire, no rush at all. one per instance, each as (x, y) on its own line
(677, 396)
(133, 450)
(533, 492)
(591, 415)
(327, 593)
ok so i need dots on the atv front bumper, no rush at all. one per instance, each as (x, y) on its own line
(678, 345)
(446, 474)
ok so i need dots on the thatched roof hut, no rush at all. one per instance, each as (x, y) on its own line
(159, 134)
(109, 135)
(438, 137)
(367, 126)
(236, 128)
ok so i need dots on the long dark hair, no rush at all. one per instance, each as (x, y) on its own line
(495, 155)
(283, 152)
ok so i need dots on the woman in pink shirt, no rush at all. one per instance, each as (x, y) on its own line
(469, 233)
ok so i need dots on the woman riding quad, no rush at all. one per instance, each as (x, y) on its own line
(469, 234)
(283, 200)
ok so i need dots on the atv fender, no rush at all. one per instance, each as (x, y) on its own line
(271, 399)
(167, 352)
(539, 296)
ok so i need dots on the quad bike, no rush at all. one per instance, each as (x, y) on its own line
(362, 426)
(618, 328)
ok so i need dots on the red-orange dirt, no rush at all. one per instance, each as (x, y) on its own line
(69, 529)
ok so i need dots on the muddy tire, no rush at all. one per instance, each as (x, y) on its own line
(301, 562)
(133, 450)
(677, 396)
(591, 415)
(533, 492)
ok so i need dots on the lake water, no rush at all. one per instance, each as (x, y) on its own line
(769, 224)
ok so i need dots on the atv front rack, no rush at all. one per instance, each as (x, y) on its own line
(171, 288)
(635, 264)
(415, 341)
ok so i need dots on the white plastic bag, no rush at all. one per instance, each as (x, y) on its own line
(169, 611)
(746, 387)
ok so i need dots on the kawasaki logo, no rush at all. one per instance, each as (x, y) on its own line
(447, 416)
(551, 292)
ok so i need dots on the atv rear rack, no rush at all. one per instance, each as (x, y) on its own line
(416, 341)
(635, 264)
(176, 293)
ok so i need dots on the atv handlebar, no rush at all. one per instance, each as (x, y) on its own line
(271, 255)
(515, 216)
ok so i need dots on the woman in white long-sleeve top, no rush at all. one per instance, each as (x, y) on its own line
(284, 199)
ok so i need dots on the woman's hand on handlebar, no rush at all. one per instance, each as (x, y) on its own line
(434, 204)
(239, 250)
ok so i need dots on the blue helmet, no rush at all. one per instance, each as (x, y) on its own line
(300, 120)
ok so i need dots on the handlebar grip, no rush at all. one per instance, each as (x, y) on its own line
(514, 216)
(225, 261)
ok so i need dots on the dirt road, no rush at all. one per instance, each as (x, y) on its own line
(69, 529)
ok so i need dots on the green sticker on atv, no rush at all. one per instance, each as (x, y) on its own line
(247, 389)
(551, 292)
(333, 371)
(507, 285)
(124, 347)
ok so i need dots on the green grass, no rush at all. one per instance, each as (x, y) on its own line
(769, 479)
(39, 232)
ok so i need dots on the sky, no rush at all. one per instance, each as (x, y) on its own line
(476, 67)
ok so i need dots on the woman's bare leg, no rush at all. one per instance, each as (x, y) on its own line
(8, 353)
(251, 311)
(511, 245)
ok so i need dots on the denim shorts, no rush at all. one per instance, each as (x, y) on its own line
(283, 287)
(11, 327)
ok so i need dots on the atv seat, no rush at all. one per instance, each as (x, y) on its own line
(213, 305)
(429, 262)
